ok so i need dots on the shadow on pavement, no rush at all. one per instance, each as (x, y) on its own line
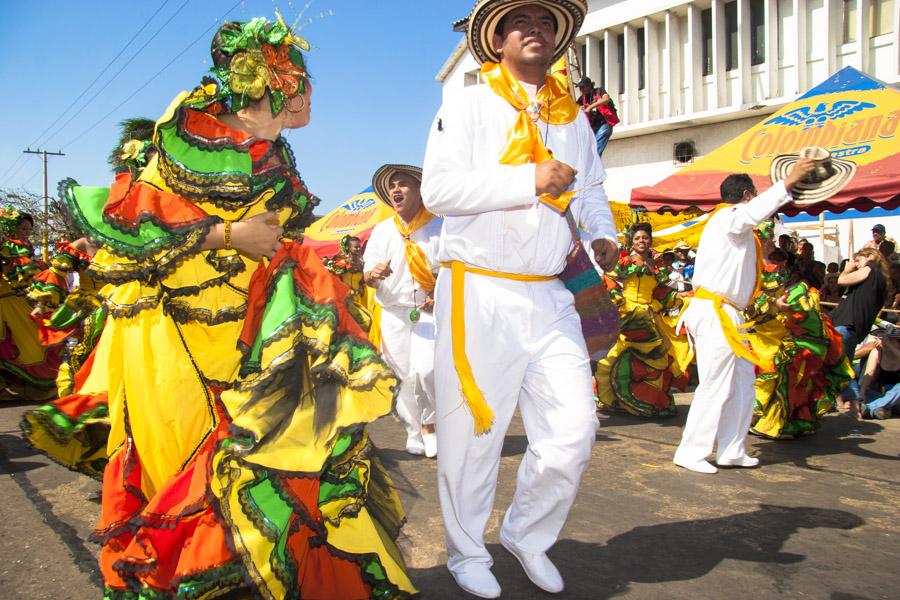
(666, 552)
(13, 447)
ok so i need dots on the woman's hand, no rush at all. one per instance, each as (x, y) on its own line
(257, 236)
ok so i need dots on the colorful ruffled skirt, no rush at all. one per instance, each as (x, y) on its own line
(646, 363)
(245, 468)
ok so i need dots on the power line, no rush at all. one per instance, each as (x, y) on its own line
(105, 69)
(11, 167)
(119, 72)
(149, 81)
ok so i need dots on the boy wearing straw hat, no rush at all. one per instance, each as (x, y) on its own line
(400, 262)
(726, 276)
(504, 162)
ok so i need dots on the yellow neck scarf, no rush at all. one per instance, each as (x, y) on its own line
(552, 105)
(415, 258)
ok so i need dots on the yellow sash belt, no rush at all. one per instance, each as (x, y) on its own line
(481, 412)
(739, 341)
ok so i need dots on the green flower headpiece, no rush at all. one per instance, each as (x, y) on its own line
(250, 59)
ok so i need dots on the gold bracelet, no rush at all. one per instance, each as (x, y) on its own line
(227, 235)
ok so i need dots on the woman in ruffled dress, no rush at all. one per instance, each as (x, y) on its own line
(648, 359)
(28, 366)
(239, 385)
(808, 369)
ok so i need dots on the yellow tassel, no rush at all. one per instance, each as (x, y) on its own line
(481, 412)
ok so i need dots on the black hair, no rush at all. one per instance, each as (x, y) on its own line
(733, 187)
(25, 217)
(778, 255)
(645, 227)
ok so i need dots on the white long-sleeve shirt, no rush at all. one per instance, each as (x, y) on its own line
(726, 255)
(399, 290)
(492, 217)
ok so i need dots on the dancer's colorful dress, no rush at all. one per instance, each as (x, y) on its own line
(648, 359)
(238, 393)
(21, 354)
(809, 368)
(74, 428)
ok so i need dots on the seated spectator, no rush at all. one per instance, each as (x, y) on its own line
(786, 244)
(879, 391)
(831, 291)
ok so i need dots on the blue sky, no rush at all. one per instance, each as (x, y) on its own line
(373, 64)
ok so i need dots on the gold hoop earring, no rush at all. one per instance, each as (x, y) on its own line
(302, 106)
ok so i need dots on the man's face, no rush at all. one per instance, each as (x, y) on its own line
(405, 195)
(877, 236)
(584, 89)
(528, 37)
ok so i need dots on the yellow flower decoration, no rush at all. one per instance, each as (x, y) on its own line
(203, 92)
(132, 150)
(249, 74)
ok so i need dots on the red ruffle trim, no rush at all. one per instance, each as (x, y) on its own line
(312, 279)
(131, 203)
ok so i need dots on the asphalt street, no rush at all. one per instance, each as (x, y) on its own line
(818, 519)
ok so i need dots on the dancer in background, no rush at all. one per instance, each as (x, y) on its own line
(28, 367)
(648, 360)
(726, 276)
(400, 263)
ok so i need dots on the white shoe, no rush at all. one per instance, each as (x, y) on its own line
(430, 442)
(538, 567)
(477, 580)
(700, 466)
(744, 461)
(415, 445)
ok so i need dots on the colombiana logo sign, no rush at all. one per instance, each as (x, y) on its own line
(844, 127)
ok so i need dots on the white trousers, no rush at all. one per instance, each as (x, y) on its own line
(526, 348)
(723, 401)
(408, 348)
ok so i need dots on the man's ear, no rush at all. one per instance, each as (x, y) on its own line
(497, 42)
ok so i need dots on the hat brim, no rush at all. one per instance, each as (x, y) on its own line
(806, 193)
(486, 15)
(382, 177)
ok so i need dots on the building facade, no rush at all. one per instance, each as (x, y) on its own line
(689, 76)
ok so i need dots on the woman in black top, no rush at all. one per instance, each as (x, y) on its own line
(866, 278)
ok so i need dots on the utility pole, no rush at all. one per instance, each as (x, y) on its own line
(45, 154)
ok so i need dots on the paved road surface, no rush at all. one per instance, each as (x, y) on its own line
(818, 520)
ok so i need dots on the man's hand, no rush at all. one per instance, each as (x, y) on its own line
(428, 305)
(553, 177)
(378, 274)
(801, 169)
(257, 236)
(606, 253)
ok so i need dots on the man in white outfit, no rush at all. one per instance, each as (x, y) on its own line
(725, 279)
(507, 330)
(400, 261)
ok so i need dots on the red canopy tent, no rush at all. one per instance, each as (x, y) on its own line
(851, 114)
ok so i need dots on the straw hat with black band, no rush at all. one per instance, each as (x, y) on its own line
(382, 177)
(829, 178)
(483, 21)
